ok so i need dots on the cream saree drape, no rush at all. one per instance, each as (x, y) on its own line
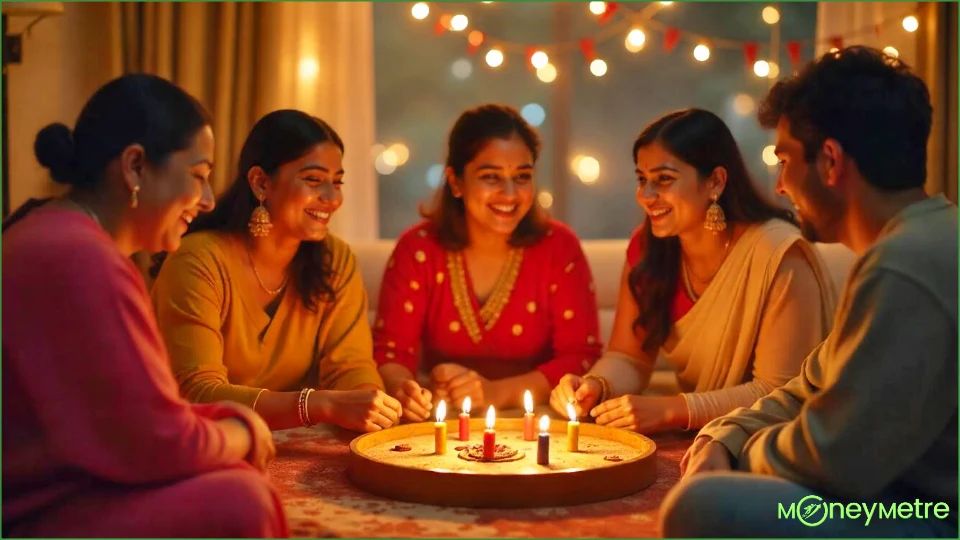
(714, 346)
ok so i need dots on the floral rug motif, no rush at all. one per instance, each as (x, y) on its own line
(321, 502)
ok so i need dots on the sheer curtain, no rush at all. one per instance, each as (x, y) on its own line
(931, 51)
(244, 60)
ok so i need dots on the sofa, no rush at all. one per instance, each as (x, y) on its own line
(606, 258)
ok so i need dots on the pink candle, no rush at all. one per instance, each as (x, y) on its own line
(465, 420)
(529, 428)
(490, 436)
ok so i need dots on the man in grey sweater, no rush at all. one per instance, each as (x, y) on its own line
(864, 441)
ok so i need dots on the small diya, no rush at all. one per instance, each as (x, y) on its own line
(501, 453)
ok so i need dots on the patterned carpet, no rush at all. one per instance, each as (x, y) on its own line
(320, 501)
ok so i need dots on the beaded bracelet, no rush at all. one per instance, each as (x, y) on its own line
(302, 407)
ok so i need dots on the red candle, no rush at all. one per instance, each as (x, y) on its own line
(490, 436)
(529, 433)
(465, 420)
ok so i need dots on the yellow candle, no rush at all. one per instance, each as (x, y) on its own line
(440, 429)
(573, 430)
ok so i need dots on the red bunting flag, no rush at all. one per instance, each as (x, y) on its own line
(609, 9)
(670, 39)
(793, 49)
(588, 49)
(877, 29)
(530, 51)
(836, 41)
(439, 28)
(750, 53)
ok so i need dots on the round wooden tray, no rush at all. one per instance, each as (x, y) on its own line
(446, 480)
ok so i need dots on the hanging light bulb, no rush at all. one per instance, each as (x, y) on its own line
(494, 58)
(761, 68)
(770, 156)
(539, 59)
(701, 53)
(598, 67)
(547, 73)
(910, 23)
(774, 70)
(635, 40)
(420, 11)
(459, 23)
(770, 15)
(597, 8)
(665, 3)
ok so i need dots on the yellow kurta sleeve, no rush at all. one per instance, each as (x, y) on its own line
(346, 342)
(188, 297)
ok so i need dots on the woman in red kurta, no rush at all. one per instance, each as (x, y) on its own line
(487, 298)
(96, 439)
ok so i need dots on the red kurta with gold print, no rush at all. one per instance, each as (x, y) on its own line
(542, 313)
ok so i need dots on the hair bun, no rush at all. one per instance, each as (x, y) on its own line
(55, 150)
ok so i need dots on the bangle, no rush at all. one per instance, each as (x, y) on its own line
(604, 386)
(302, 403)
(257, 399)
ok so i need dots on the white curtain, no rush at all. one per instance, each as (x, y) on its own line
(327, 48)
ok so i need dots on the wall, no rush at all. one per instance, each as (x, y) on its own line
(65, 59)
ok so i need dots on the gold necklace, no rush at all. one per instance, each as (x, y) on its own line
(271, 292)
(686, 272)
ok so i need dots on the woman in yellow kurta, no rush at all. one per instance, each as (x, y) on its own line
(261, 305)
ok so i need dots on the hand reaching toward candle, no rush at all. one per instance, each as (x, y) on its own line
(581, 393)
(415, 400)
(356, 410)
(643, 414)
(705, 455)
(455, 382)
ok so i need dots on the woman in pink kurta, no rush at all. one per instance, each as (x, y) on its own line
(487, 298)
(96, 440)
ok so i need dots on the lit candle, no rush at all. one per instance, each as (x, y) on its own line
(528, 421)
(440, 429)
(489, 435)
(573, 430)
(543, 445)
(465, 419)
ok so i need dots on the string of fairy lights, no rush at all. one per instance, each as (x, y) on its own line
(618, 20)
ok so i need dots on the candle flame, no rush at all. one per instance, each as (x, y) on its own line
(544, 423)
(528, 401)
(491, 417)
(571, 412)
(466, 405)
(441, 410)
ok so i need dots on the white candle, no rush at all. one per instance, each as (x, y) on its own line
(440, 429)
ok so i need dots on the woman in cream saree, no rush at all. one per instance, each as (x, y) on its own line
(717, 281)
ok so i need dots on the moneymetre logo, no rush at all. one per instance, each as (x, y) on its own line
(812, 510)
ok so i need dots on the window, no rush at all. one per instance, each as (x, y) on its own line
(424, 81)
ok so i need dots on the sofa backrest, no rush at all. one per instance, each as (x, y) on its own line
(606, 259)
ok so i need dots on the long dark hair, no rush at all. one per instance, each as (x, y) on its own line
(700, 139)
(472, 131)
(132, 109)
(278, 138)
